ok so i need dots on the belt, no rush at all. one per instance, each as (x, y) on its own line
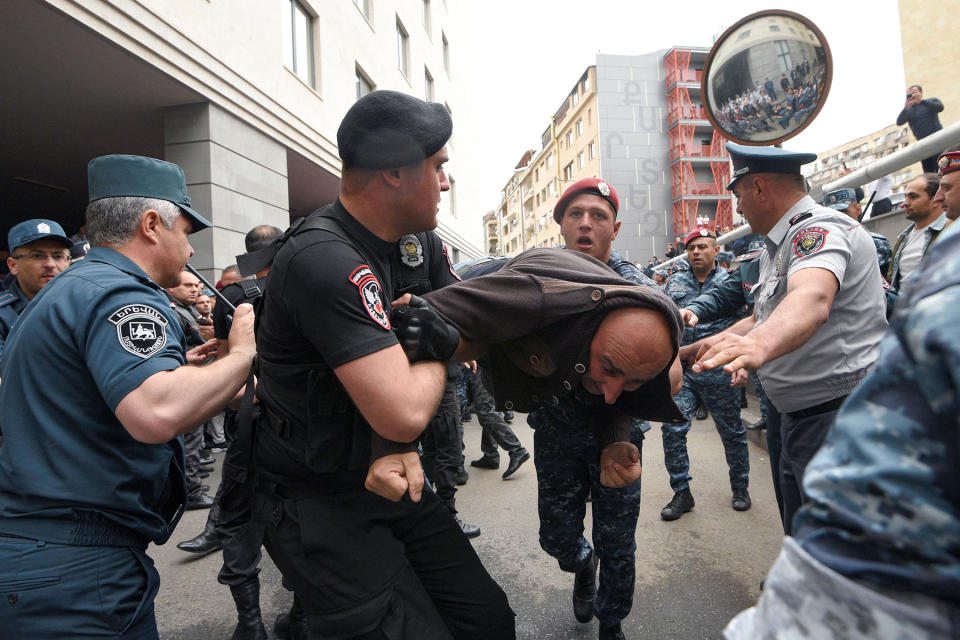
(823, 407)
(321, 487)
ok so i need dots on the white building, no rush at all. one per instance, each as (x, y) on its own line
(245, 95)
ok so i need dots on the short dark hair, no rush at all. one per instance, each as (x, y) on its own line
(919, 88)
(260, 237)
(858, 193)
(933, 183)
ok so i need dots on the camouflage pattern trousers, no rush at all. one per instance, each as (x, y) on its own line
(568, 469)
(713, 389)
(803, 598)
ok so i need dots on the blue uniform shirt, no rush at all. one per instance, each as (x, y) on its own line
(70, 473)
(683, 287)
(12, 303)
(884, 489)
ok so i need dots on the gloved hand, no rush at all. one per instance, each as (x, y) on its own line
(423, 334)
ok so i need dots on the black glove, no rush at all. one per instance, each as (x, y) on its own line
(423, 334)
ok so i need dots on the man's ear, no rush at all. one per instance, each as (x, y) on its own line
(12, 266)
(391, 177)
(150, 223)
(616, 228)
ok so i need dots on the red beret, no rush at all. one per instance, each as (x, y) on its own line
(594, 186)
(700, 233)
(949, 162)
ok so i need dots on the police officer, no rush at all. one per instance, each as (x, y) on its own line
(39, 251)
(97, 385)
(229, 525)
(422, 265)
(566, 453)
(819, 310)
(711, 389)
(874, 553)
(495, 430)
(734, 297)
(340, 484)
(848, 201)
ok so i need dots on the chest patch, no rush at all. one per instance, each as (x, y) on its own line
(809, 241)
(411, 251)
(371, 294)
(141, 329)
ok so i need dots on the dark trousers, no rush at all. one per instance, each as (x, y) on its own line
(496, 431)
(442, 446)
(58, 590)
(930, 164)
(192, 442)
(365, 567)
(771, 416)
(802, 438)
(568, 468)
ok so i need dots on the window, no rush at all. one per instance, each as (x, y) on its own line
(589, 116)
(549, 161)
(552, 188)
(580, 160)
(453, 195)
(446, 52)
(576, 97)
(403, 48)
(426, 16)
(569, 138)
(579, 127)
(536, 174)
(783, 56)
(297, 31)
(774, 27)
(364, 6)
(592, 149)
(586, 83)
(427, 84)
(568, 172)
(364, 84)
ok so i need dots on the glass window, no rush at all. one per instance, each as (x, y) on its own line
(592, 150)
(426, 15)
(364, 84)
(364, 6)
(579, 127)
(580, 160)
(569, 138)
(428, 84)
(403, 48)
(549, 161)
(783, 56)
(297, 33)
(446, 52)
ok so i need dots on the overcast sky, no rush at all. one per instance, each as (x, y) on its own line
(522, 57)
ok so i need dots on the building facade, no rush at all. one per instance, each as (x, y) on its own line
(245, 95)
(636, 122)
(927, 61)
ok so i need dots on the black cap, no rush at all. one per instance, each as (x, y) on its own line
(389, 129)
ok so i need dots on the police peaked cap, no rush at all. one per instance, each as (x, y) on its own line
(748, 159)
(389, 129)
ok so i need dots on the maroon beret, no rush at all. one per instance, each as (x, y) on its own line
(700, 233)
(594, 186)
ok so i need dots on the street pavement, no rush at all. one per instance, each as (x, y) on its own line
(693, 574)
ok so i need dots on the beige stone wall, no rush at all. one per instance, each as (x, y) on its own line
(928, 31)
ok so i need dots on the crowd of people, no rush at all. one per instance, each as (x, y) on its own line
(344, 444)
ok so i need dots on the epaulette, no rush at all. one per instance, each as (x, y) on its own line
(749, 256)
(7, 298)
(800, 217)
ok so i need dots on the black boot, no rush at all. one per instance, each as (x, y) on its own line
(681, 502)
(585, 589)
(293, 625)
(517, 458)
(249, 623)
(611, 632)
(207, 541)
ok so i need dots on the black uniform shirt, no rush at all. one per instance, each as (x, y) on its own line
(326, 303)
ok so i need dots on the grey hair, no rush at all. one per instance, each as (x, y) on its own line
(113, 221)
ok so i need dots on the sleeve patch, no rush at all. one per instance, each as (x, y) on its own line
(809, 241)
(370, 294)
(141, 329)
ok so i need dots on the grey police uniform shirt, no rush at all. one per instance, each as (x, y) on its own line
(841, 351)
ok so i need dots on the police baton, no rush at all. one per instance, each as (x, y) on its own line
(869, 202)
(207, 284)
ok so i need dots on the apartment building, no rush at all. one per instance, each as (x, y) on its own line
(636, 122)
(245, 95)
(860, 152)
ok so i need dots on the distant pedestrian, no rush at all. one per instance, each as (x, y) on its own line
(921, 115)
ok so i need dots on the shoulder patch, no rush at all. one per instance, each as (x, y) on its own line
(141, 329)
(800, 217)
(411, 251)
(370, 294)
(809, 241)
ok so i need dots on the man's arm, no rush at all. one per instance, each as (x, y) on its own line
(397, 398)
(722, 300)
(802, 311)
(934, 103)
(170, 403)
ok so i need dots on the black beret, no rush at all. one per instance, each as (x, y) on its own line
(389, 129)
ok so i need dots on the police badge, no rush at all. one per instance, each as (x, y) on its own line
(411, 251)
(141, 329)
(809, 241)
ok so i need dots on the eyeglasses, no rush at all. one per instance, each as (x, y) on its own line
(59, 257)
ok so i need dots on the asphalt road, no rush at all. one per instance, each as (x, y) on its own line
(693, 574)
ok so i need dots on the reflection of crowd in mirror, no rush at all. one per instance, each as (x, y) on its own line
(759, 109)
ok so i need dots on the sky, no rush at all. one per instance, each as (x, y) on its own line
(522, 57)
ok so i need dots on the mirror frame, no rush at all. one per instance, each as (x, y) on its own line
(828, 78)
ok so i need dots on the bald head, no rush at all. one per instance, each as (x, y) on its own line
(631, 347)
